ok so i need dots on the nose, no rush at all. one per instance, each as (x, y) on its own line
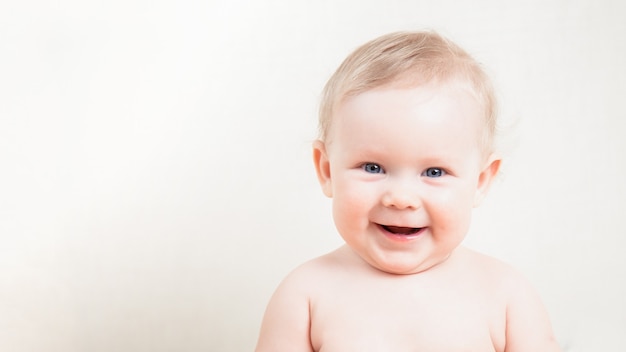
(401, 194)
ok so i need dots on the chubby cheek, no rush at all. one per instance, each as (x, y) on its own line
(346, 221)
(351, 207)
(451, 213)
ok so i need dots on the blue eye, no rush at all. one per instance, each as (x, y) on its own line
(372, 168)
(434, 172)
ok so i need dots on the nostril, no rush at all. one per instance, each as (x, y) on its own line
(400, 201)
(400, 193)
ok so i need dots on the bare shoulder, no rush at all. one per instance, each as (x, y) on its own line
(286, 323)
(491, 272)
(308, 278)
(528, 326)
(483, 263)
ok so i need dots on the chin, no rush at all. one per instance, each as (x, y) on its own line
(401, 268)
(407, 267)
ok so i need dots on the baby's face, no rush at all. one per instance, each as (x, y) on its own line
(404, 168)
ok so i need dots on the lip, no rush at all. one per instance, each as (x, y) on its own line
(400, 237)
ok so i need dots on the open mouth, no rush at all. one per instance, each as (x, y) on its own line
(399, 230)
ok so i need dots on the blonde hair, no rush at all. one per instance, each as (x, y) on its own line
(407, 57)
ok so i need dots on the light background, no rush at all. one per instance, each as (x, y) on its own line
(155, 172)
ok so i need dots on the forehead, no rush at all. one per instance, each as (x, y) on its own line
(450, 103)
(452, 94)
(427, 117)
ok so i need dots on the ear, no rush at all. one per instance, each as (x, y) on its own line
(322, 167)
(486, 177)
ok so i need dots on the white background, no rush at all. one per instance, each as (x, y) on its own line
(155, 172)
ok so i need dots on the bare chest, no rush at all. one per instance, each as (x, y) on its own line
(389, 318)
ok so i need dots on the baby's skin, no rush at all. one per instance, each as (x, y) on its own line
(338, 303)
(404, 167)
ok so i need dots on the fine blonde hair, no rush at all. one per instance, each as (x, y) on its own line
(413, 58)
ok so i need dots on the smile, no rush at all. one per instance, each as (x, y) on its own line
(399, 230)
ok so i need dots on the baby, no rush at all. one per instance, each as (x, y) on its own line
(405, 151)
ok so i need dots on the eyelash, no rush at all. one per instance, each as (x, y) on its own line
(439, 172)
(374, 168)
(377, 169)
